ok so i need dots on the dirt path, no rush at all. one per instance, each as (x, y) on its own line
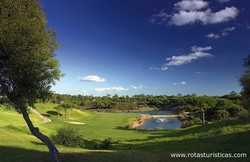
(45, 119)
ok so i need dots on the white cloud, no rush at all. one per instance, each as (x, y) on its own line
(184, 59)
(154, 68)
(164, 68)
(229, 29)
(160, 17)
(186, 17)
(213, 36)
(111, 89)
(197, 52)
(117, 89)
(194, 11)
(182, 83)
(136, 87)
(221, 16)
(222, 33)
(190, 5)
(159, 68)
(204, 17)
(92, 78)
(200, 49)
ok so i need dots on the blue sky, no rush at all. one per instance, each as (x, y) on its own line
(158, 47)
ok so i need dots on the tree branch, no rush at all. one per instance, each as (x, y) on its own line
(35, 131)
(4, 88)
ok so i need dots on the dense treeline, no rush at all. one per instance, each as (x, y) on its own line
(245, 83)
(215, 108)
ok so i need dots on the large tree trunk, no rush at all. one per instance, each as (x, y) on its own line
(35, 131)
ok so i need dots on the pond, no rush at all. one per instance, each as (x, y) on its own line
(160, 123)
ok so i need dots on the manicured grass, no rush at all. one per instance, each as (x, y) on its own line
(10, 116)
(131, 145)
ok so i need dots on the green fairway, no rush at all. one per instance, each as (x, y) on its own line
(17, 144)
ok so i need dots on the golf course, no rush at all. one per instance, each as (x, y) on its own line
(17, 143)
(124, 81)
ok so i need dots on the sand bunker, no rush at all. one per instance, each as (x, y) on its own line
(76, 123)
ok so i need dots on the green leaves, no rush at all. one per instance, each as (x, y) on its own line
(66, 107)
(245, 82)
(27, 50)
(68, 137)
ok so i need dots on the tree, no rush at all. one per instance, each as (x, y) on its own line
(27, 65)
(204, 103)
(58, 110)
(233, 94)
(221, 114)
(66, 107)
(245, 82)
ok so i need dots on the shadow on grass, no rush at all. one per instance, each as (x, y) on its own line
(121, 128)
(235, 142)
(91, 144)
(46, 115)
(14, 154)
(53, 113)
(37, 143)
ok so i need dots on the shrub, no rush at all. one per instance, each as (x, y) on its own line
(107, 143)
(68, 137)
(221, 114)
(237, 112)
(194, 120)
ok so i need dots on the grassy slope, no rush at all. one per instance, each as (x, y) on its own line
(16, 143)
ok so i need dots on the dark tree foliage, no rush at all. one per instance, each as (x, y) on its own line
(245, 82)
(68, 137)
(27, 65)
(209, 108)
(66, 107)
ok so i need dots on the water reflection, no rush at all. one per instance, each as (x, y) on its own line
(160, 123)
(162, 120)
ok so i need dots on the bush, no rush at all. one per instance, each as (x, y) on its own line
(68, 137)
(237, 112)
(191, 120)
(221, 114)
(195, 120)
(107, 143)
